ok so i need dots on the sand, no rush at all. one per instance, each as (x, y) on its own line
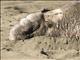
(39, 47)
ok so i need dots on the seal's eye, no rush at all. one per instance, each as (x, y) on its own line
(56, 13)
(60, 13)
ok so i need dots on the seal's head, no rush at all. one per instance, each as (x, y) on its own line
(54, 15)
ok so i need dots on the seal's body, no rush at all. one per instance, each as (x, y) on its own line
(35, 24)
(26, 26)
